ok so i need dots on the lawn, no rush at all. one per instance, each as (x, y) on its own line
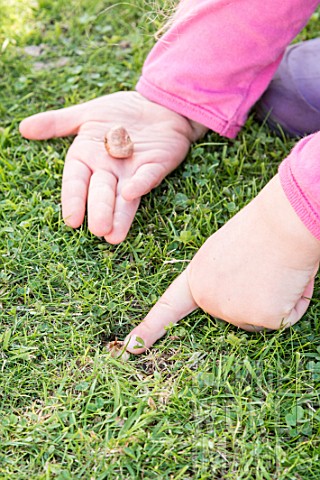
(206, 402)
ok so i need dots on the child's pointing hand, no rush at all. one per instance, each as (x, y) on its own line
(256, 272)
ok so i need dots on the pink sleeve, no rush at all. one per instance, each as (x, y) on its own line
(300, 179)
(218, 57)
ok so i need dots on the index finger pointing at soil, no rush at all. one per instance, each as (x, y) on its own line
(175, 303)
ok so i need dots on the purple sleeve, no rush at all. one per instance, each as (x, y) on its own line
(218, 57)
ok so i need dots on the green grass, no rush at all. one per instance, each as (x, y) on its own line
(208, 401)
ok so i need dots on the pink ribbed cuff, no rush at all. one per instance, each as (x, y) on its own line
(298, 199)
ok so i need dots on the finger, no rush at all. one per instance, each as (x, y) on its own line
(301, 306)
(101, 201)
(123, 216)
(147, 177)
(175, 303)
(55, 123)
(75, 182)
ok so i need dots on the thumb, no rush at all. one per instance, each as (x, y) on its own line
(147, 177)
(54, 123)
(175, 303)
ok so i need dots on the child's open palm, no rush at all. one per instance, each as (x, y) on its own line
(110, 189)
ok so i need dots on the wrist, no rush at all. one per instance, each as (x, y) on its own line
(285, 221)
(194, 130)
(198, 130)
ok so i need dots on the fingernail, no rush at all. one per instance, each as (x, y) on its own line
(134, 342)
